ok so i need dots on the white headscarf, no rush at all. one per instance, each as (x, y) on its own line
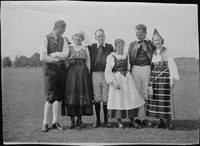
(86, 40)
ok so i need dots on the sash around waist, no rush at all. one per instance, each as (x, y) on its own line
(79, 61)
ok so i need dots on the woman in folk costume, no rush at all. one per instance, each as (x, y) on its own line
(78, 94)
(164, 72)
(123, 96)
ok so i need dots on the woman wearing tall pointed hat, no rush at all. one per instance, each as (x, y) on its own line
(164, 72)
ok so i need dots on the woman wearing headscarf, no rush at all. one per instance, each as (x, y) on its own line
(78, 94)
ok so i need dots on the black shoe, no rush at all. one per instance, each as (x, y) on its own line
(169, 125)
(138, 121)
(80, 124)
(146, 123)
(121, 126)
(96, 124)
(72, 125)
(160, 125)
(134, 124)
(107, 124)
(45, 127)
(57, 126)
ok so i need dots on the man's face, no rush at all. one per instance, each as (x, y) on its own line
(140, 34)
(59, 31)
(100, 37)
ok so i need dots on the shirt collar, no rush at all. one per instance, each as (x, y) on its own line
(54, 35)
(78, 47)
(144, 39)
(104, 44)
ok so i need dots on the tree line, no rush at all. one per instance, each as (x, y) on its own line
(22, 61)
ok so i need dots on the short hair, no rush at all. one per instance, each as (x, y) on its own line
(60, 24)
(158, 35)
(118, 41)
(141, 26)
(100, 29)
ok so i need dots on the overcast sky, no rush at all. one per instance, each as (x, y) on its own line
(23, 24)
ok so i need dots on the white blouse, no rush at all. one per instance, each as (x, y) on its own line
(167, 56)
(85, 48)
(110, 63)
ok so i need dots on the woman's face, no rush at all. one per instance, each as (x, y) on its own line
(157, 41)
(78, 38)
(120, 48)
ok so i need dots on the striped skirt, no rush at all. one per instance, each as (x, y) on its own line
(159, 105)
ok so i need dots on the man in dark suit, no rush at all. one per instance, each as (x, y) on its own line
(140, 55)
(98, 54)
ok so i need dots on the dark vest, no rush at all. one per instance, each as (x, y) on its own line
(53, 44)
(121, 66)
(142, 58)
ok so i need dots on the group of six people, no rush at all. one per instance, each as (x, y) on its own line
(78, 76)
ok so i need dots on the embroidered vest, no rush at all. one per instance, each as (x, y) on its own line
(121, 66)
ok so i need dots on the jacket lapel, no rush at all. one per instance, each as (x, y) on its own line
(149, 50)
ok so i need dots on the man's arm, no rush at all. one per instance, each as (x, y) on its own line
(43, 52)
(64, 54)
(130, 49)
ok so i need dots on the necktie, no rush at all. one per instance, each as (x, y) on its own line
(143, 44)
(99, 53)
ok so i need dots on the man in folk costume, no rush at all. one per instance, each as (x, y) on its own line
(98, 54)
(53, 52)
(140, 55)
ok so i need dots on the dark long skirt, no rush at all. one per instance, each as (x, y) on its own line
(78, 90)
(159, 105)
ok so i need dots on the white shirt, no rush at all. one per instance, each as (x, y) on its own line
(104, 44)
(141, 40)
(56, 55)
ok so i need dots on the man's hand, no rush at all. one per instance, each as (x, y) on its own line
(118, 87)
(55, 59)
(172, 84)
(150, 89)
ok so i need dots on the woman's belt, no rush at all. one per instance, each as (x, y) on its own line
(161, 63)
(79, 62)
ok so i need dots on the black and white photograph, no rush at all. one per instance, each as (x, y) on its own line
(99, 73)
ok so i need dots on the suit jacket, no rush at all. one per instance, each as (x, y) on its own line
(133, 49)
(93, 55)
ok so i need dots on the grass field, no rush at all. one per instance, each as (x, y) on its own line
(23, 102)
